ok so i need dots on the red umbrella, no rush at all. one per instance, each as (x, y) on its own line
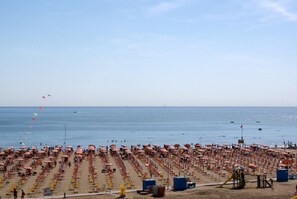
(252, 166)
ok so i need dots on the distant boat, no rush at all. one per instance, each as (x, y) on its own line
(232, 122)
(259, 129)
(74, 111)
(258, 122)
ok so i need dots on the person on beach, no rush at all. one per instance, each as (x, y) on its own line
(15, 193)
(23, 194)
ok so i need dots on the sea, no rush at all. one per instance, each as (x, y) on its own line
(73, 126)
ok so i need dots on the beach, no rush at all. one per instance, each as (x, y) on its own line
(104, 169)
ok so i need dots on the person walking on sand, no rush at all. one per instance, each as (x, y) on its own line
(23, 194)
(15, 193)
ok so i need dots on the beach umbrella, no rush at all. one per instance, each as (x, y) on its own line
(187, 145)
(128, 151)
(65, 156)
(108, 164)
(140, 151)
(186, 155)
(163, 150)
(28, 168)
(252, 166)
(91, 147)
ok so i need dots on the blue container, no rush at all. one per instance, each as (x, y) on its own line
(148, 182)
(282, 175)
(179, 183)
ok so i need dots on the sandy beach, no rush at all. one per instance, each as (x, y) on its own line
(103, 169)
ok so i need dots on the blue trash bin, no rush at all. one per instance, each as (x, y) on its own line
(282, 175)
(148, 182)
(180, 183)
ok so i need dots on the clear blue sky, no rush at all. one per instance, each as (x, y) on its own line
(148, 52)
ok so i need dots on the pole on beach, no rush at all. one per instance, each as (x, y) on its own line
(65, 138)
(241, 140)
(168, 174)
(241, 131)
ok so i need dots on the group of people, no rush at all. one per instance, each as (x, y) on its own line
(15, 193)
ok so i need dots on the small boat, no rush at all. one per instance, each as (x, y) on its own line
(74, 111)
(231, 122)
(259, 129)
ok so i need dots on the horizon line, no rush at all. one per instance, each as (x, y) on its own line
(154, 106)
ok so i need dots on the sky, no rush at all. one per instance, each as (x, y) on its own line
(148, 52)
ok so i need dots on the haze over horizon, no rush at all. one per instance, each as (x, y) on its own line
(148, 53)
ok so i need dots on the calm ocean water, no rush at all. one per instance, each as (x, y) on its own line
(140, 125)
